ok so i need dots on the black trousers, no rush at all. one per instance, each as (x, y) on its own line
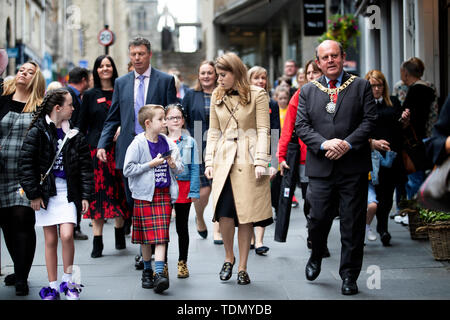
(385, 194)
(351, 191)
(181, 223)
(17, 223)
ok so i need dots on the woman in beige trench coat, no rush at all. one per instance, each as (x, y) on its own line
(237, 158)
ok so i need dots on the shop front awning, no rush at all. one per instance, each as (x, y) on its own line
(249, 12)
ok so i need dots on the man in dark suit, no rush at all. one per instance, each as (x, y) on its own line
(78, 83)
(159, 88)
(335, 116)
(144, 85)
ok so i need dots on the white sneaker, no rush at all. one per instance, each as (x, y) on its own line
(405, 220)
(398, 219)
(371, 236)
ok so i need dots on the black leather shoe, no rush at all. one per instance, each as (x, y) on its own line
(385, 239)
(10, 279)
(243, 277)
(312, 269)
(22, 288)
(147, 279)
(227, 270)
(349, 287)
(78, 235)
(161, 283)
(262, 250)
(139, 265)
(326, 253)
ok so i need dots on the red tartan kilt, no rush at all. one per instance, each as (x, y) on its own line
(151, 220)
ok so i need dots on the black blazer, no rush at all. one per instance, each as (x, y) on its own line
(387, 125)
(353, 120)
(92, 115)
(194, 106)
(161, 90)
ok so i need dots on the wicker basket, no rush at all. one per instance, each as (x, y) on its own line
(439, 234)
(415, 222)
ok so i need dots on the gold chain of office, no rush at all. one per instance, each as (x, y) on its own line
(333, 91)
(331, 106)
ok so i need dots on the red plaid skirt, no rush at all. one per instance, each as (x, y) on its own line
(151, 220)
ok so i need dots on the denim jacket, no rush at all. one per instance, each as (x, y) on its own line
(141, 178)
(378, 160)
(189, 156)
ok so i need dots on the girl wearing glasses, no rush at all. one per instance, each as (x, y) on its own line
(188, 181)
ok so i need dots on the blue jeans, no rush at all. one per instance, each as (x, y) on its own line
(415, 180)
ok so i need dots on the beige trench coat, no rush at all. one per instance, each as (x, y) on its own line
(236, 144)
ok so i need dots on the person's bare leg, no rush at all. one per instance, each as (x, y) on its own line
(146, 252)
(217, 235)
(97, 226)
(200, 206)
(371, 211)
(227, 230)
(68, 247)
(51, 246)
(119, 222)
(244, 235)
(259, 235)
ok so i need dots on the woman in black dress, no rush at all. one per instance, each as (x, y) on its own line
(110, 201)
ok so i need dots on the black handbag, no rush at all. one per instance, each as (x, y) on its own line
(434, 194)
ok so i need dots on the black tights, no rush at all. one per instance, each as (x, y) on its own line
(17, 224)
(181, 222)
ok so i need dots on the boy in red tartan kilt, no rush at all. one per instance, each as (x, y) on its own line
(151, 164)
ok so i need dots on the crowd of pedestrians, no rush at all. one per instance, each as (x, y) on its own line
(141, 147)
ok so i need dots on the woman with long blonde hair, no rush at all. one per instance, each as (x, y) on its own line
(21, 96)
(386, 137)
(237, 158)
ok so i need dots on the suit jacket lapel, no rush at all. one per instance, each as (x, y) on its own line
(129, 90)
(152, 86)
(341, 94)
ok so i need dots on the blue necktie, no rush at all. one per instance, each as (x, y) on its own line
(140, 102)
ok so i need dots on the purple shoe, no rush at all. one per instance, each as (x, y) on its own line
(71, 290)
(48, 293)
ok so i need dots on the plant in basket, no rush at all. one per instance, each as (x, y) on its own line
(411, 208)
(438, 227)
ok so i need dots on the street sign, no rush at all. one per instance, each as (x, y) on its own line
(314, 17)
(106, 37)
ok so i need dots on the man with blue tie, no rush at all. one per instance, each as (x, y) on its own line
(144, 85)
(335, 117)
